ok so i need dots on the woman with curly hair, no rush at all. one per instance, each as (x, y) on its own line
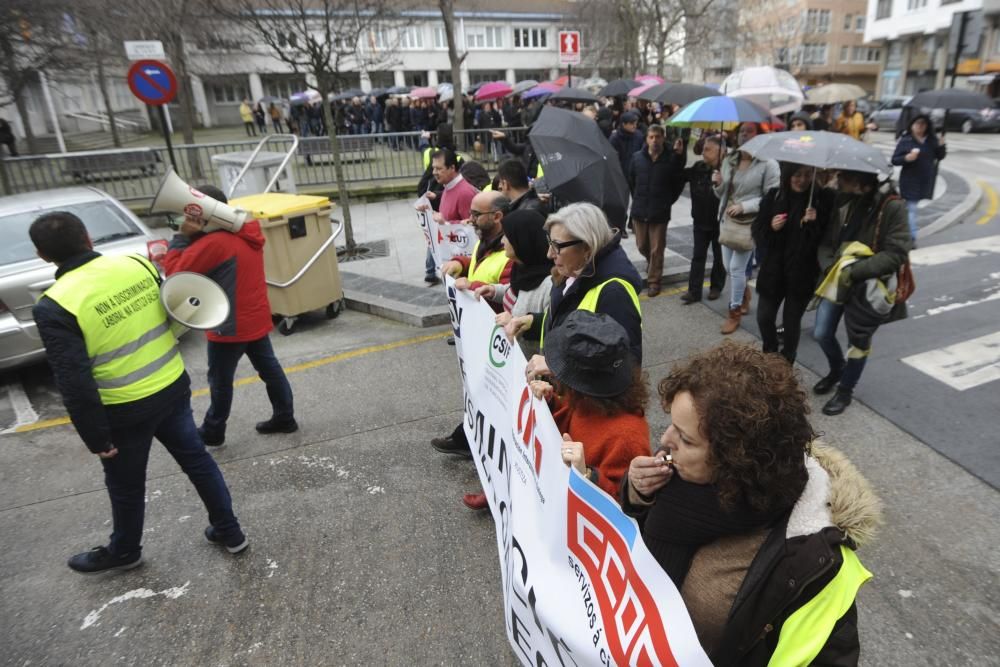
(755, 523)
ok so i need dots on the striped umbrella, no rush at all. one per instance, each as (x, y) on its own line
(710, 112)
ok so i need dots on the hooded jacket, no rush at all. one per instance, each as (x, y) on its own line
(627, 144)
(800, 556)
(610, 262)
(236, 263)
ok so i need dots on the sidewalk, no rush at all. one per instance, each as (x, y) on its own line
(390, 281)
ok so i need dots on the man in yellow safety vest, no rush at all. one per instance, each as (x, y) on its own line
(121, 376)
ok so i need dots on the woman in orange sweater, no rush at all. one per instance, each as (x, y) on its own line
(598, 396)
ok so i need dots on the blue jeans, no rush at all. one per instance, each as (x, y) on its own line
(125, 473)
(222, 361)
(912, 211)
(736, 265)
(828, 316)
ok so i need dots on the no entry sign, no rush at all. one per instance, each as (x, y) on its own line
(152, 82)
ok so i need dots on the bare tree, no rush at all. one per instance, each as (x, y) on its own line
(324, 40)
(458, 101)
(32, 40)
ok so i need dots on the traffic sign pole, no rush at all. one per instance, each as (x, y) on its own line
(166, 136)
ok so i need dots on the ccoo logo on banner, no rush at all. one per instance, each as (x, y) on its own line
(444, 240)
(579, 585)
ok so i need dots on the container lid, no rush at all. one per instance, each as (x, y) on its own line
(279, 204)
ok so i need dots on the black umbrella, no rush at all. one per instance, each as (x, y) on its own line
(398, 90)
(579, 163)
(680, 94)
(568, 94)
(348, 94)
(618, 88)
(950, 98)
(823, 150)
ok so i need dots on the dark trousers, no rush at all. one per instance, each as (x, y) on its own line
(249, 127)
(791, 319)
(222, 361)
(702, 239)
(125, 473)
(828, 316)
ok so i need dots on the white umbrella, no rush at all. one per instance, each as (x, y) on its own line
(832, 93)
(768, 87)
(594, 84)
(446, 92)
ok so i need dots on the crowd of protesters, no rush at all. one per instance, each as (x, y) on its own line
(715, 498)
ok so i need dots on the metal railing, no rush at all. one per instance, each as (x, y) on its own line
(134, 174)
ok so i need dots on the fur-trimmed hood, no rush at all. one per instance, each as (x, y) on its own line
(836, 494)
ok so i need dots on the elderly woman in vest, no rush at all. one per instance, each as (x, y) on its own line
(754, 522)
(740, 186)
(592, 272)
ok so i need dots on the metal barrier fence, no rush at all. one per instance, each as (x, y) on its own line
(134, 174)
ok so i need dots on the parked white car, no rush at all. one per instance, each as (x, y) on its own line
(24, 277)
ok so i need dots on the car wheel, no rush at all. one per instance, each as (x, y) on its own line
(967, 126)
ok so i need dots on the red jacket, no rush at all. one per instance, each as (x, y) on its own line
(236, 263)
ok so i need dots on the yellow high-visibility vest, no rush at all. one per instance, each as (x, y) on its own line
(116, 302)
(589, 301)
(490, 269)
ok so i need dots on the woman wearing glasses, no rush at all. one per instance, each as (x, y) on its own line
(592, 272)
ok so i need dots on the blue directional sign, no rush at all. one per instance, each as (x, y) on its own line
(152, 82)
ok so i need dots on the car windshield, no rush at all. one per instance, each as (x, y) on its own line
(104, 221)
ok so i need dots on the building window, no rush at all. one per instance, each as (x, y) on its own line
(859, 24)
(531, 38)
(227, 93)
(848, 21)
(484, 37)
(440, 38)
(814, 54)
(283, 88)
(379, 40)
(845, 54)
(867, 54)
(913, 5)
(883, 10)
(818, 20)
(412, 37)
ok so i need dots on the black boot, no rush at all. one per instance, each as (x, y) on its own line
(838, 403)
(826, 385)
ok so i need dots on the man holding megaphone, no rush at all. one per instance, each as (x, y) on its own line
(116, 363)
(233, 257)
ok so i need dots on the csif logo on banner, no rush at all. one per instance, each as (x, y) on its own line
(499, 347)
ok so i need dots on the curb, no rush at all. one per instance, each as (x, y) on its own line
(399, 311)
(955, 215)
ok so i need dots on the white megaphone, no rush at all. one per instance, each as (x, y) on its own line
(176, 196)
(193, 301)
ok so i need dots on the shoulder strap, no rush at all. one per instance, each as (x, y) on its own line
(878, 219)
(149, 268)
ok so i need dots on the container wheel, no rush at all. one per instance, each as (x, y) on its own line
(285, 326)
(334, 309)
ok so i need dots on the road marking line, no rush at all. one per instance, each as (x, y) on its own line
(951, 252)
(964, 365)
(994, 205)
(963, 304)
(24, 414)
(298, 368)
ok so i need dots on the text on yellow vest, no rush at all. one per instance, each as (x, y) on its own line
(116, 303)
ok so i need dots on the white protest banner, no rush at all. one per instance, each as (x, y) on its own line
(445, 240)
(579, 585)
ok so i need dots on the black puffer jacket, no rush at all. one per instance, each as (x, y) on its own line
(704, 202)
(790, 266)
(916, 180)
(611, 262)
(655, 184)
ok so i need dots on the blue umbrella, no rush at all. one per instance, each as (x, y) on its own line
(708, 112)
(537, 91)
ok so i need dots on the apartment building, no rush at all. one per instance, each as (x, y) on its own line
(920, 37)
(818, 41)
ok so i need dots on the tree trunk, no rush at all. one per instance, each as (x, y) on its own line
(102, 83)
(178, 55)
(458, 100)
(338, 169)
(22, 112)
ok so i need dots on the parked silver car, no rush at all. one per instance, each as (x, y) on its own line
(23, 276)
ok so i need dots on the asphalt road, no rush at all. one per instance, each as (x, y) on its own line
(361, 551)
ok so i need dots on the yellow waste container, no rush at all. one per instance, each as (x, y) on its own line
(300, 259)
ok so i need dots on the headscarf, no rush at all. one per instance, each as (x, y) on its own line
(525, 232)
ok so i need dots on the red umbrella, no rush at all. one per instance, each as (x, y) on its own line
(646, 78)
(423, 93)
(564, 81)
(494, 90)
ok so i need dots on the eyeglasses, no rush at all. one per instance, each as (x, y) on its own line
(559, 246)
(474, 215)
